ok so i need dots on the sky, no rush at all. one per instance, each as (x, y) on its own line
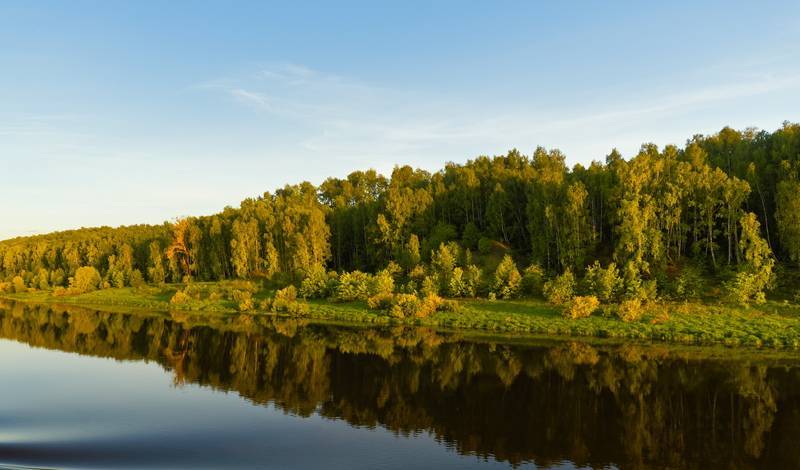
(117, 113)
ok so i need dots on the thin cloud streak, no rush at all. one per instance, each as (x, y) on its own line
(349, 118)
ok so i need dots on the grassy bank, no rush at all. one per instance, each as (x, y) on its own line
(773, 325)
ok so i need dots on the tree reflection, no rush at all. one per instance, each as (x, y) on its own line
(630, 405)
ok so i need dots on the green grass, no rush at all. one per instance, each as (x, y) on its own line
(773, 325)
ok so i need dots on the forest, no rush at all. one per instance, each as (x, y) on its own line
(716, 220)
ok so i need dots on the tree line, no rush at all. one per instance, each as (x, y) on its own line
(725, 205)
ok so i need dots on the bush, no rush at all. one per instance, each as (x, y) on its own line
(243, 300)
(352, 286)
(179, 298)
(688, 284)
(318, 283)
(745, 288)
(465, 283)
(561, 289)
(485, 245)
(430, 285)
(137, 280)
(285, 300)
(605, 284)
(18, 284)
(407, 305)
(581, 307)
(630, 310)
(382, 283)
(507, 279)
(380, 301)
(533, 280)
(86, 279)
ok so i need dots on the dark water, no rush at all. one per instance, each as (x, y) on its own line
(88, 389)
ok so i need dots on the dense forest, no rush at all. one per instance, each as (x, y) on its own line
(721, 213)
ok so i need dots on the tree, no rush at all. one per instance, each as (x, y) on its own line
(755, 273)
(787, 214)
(178, 251)
(86, 279)
(507, 279)
(155, 268)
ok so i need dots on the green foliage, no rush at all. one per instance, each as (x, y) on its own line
(318, 284)
(507, 279)
(581, 307)
(86, 279)
(652, 212)
(755, 273)
(285, 301)
(465, 283)
(352, 286)
(787, 215)
(18, 284)
(179, 298)
(533, 280)
(243, 300)
(630, 310)
(561, 289)
(605, 284)
(689, 283)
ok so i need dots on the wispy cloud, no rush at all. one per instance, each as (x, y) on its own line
(352, 119)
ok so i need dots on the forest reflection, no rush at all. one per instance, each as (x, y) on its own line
(634, 406)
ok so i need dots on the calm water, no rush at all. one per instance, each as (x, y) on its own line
(87, 389)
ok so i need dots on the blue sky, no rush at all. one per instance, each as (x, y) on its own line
(137, 112)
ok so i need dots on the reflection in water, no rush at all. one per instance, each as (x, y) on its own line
(624, 405)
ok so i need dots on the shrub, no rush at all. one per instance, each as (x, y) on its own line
(42, 280)
(506, 279)
(179, 298)
(465, 283)
(688, 284)
(318, 283)
(581, 307)
(404, 305)
(86, 279)
(137, 280)
(630, 310)
(533, 280)
(352, 286)
(407, 305)
(57, 277)
(605, 284)
(243, 300)
(382, 283)
(443, 263)
(430, 285)
(561, 289)
(285, 300)
(745, 288)
(18, 284)
(485, 245)
(380, 301)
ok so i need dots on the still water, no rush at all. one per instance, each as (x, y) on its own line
(81, 388)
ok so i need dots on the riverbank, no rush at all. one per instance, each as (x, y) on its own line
(772, 325)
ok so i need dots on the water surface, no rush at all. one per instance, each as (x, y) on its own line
(82, 388)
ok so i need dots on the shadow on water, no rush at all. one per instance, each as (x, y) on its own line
(629, 406)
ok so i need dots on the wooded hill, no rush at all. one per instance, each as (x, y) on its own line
(723, 207)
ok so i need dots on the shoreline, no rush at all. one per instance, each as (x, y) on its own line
(772, 326)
